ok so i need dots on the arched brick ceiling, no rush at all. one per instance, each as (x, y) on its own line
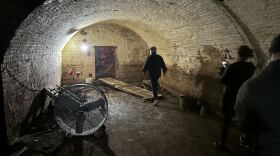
(180, 28)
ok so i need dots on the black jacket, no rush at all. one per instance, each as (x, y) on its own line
(154, 64)
(234, 76)
(258, 108)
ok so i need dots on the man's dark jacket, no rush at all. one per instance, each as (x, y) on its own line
(235, 75)
(154, 64)
(258, 108)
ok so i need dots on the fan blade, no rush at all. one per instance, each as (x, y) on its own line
(92, 105)
(89, 122)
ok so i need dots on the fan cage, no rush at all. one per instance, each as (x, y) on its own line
(71, 111)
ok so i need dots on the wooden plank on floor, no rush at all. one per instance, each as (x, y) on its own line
(128, 88)
(113, 82)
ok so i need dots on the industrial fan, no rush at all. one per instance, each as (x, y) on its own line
(80, 109)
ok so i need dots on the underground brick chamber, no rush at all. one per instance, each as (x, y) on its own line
(190, 35)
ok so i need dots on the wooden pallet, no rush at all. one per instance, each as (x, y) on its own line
(128, 88)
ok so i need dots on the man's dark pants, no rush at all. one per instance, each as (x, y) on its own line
(225, 128)
(154, 81)
(228, 110)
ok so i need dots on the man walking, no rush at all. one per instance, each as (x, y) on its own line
(154, 64)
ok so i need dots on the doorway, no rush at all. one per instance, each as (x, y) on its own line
(105, 61)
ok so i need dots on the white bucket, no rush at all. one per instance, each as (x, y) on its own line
(89, 80)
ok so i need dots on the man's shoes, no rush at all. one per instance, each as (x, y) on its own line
(244, 141)
(155, 103)
(219, 145)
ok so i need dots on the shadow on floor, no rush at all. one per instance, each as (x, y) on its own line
(84, 146)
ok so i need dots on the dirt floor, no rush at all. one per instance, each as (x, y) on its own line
(136, 128)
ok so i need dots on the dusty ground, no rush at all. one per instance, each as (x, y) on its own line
(136, 128)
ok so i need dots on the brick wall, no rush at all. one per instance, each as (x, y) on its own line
(261, 17)
(33, 65)
(188, 33)
(11, 15)
(34, 59)
(131, 52)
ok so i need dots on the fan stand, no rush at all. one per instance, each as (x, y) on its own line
(80, 122)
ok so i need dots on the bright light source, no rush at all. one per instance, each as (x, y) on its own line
(84, 47)
(224, 63)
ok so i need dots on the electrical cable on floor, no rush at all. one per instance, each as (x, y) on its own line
(10, 73)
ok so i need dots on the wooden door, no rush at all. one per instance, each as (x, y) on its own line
(105, 61)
